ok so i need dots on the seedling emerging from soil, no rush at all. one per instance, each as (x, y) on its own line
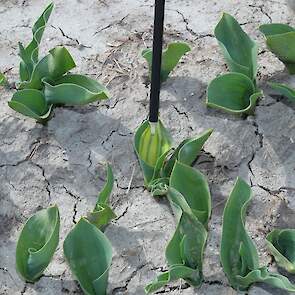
(281, 243)
(37, 243)
(235, 92)
(170, 58)
(280, 40)
(87, 250)
(238, 254)
(45, 82)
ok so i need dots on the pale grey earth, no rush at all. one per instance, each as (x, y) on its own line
(63, 163)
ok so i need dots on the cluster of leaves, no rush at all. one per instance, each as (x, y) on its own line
(235, 92)
(46, 82)
(239, 255)
(170, 58)
(167, 171)
(86, 248)
(280, 39)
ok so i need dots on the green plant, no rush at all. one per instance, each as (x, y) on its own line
(37, 243)
(167, 172)
(280, 39)
(45, 82)
(170, 58)
(235, 92)
(238, 253)
(2, 79)
(281, 243)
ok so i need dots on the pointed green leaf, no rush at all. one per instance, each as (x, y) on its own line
(233, 93)
(170, 58)
(52, 66)
(284, 89)
(239, 50)
(37, 244)
(280, 40)
(89, 255)
(31, 103)
(74, 90)
(281, 243)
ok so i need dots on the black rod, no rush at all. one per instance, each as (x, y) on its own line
(157, 60)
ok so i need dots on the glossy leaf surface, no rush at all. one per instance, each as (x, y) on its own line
(170, 58)
(281, 243)
(280, 40)
(37, 244)
(234, 93)
(239, 50)
(89, 255)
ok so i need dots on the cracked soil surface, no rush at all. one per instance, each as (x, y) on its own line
(63, 163)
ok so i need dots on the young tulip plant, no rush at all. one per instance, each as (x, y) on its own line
(86, 248)
(238, 253)
(280, 39)
(235, 92)
(46, 82)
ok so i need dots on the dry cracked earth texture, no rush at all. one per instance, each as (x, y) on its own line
(63, 162)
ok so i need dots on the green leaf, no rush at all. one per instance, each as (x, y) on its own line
(284, 89)
(280, 40)
(37, 244)
(193, 186)
(239, 50)
(234, 93)
(170, 58)
(31, 103)
(3, 80)
(238, 253)
(102, 214)
(89, 255)
(281, 243)
(29, 55)
(150, 143)
(53, 66)
(187, 151)
(74, 90)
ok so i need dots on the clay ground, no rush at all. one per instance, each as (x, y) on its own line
(63, 163)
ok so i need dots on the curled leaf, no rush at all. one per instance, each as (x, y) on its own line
(284, 89)
(239, 50)
(89, 255)
(74, 90)
(29, 55)
(234, 93)
(37, 243)
(52, 66)
(280, 40)
(150, 143)
(31, 103)
(238, 253)
(281, 243)
(170, 58)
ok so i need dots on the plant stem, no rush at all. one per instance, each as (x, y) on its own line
(157, 60)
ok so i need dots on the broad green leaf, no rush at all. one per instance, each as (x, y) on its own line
(170, 58)
(280, 40)
(29, 55)
(281, 243)
(193, 186)
(239, 50)
(284, 89)
(234, 93)
(31, 103)
(150, 143)
(187, 151)
(102, 214)
(37, 244)
(89, 255)
(53, 66)
(238, 253)
(74, 90)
